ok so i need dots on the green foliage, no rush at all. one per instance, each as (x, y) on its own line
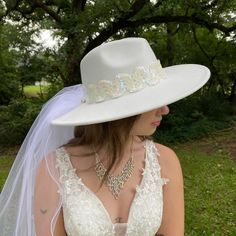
(22, 61)
(9, 86)
(16, 119)
(56, 86)
(20, 113)
(195, 117)
(85, 24)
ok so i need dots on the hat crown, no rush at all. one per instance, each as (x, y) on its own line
(108, 60)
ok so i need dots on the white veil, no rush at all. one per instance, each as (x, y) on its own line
(17, 197)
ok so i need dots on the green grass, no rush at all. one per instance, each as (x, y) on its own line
(5, 165)
(209, 169)
(210, 193)
(33, 90)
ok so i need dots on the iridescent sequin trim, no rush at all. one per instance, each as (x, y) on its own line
(124, 83)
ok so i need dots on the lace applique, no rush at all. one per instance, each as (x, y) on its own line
(125, 83)
(147, 215)
(84, 213)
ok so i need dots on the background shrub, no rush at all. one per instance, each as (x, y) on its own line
(16, 119)
(195, 117)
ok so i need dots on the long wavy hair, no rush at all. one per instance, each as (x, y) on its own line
(111, 135)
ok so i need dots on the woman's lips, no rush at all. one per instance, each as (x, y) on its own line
(156, 123)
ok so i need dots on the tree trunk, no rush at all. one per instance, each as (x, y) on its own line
(73, 69)
(170, 44)
(232, 96)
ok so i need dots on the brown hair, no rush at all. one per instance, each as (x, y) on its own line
(112, 135)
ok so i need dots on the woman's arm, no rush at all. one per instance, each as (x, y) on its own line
(173, 194)
(59, 227)
(46, 201)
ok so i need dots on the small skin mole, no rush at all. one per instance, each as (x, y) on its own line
(118, 220)
(43, 211)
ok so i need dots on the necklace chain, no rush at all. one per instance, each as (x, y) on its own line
(115, 183)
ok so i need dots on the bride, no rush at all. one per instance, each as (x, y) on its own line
(89, 165)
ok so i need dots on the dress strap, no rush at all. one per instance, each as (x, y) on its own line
(153, 161)
(66, 170)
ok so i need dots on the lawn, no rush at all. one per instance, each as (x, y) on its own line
(34, 90)
(210, 193)
(209, 168)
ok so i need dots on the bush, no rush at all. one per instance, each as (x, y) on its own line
(195, 117)
(16, 119)
(9, 89)
(56, 86)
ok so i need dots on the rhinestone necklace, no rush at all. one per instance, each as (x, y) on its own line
(115, 182)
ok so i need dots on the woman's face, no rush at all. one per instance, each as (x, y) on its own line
(147, 122)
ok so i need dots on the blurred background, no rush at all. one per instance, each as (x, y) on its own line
(43, 41)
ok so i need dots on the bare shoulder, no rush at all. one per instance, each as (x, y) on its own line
(173, 193)
(165, 150)
(169, 162)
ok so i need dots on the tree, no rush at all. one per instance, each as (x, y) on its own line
(22, 60)
(9, 86)
(86, 24)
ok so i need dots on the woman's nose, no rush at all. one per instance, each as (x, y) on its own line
(165, 110)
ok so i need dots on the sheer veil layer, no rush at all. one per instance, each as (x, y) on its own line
(17, 199)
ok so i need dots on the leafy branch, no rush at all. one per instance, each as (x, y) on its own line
(123, 23)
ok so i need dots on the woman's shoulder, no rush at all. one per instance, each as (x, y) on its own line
(169, 161)
(173, 192)
(165, 150)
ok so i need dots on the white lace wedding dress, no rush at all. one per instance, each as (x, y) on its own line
(85, 214)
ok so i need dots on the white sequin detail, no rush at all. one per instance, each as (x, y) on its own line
(125, 83)
(84, 214)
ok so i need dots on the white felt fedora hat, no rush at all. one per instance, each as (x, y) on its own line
(123, 78)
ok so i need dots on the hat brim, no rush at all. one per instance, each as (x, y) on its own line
(180, 82)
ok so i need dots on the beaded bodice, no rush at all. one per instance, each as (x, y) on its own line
(85, 214)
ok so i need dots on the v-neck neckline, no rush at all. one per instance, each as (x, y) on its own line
(98, 200)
